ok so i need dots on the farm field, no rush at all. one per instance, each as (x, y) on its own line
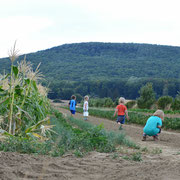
(163, 161)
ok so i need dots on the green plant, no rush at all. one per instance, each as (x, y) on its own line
(136, 156)
(147, 96)
(156, 151)
(144, 149)
(164, 101)
(176, 102)
(130, 104)
(115, 155)
(23, 99)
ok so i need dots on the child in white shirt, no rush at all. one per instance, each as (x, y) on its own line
(85, 108)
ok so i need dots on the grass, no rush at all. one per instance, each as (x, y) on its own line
(70, 135)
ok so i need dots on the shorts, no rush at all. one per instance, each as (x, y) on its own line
(73, 111)
(85, 113)
(121, 119)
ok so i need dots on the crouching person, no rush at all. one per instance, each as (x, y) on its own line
(153, 125)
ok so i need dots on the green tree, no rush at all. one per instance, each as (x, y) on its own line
(176, 103)
(164, 101)
(147, 96)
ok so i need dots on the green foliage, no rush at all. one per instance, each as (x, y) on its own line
(134, 157)
(176, 103)
(147, 96)
(130, 104)
(135, 117)
(81, 139)
(23, 100)
(24, 145)
(156, 151)
(164, 101)
(101, 102)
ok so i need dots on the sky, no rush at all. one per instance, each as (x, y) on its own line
(41, 24)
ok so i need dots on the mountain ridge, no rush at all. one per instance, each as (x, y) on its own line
(99, 61)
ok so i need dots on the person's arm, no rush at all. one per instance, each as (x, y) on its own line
(85, 106)
(159, 124)
(126, 111)
(116, 111)
(69, 103)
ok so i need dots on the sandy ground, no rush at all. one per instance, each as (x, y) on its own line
(155, 166)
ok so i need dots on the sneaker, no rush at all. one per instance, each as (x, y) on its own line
(144, 138)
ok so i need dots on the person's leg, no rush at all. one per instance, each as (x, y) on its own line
(122, 121)
(120, 127)
(155, 137)
(85, 114)
(73, 112)
(144, 137)
(119, 122)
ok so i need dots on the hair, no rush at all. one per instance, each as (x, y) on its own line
(159, 113)
(122, 100)
(73, 97)
(86, 97)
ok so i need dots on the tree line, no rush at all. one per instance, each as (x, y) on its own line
(128, 88)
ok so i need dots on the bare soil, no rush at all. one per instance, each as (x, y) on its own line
(154, 165)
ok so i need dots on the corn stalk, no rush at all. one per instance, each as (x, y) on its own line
(13, 54)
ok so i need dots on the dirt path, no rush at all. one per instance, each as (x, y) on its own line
(99, 166)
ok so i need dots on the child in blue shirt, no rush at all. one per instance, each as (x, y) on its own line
(72, 105)
(153, 125)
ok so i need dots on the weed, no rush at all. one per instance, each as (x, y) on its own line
(156, 151)
(144, 149)
(126, 157)
(78, 153)
(115, 155)
(136, 156)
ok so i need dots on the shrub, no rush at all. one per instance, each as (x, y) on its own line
(147, 96)
(108, 102)
(176, 104)
(164, 101)
(130, 104)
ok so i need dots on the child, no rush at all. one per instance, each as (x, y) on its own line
(121, 110)
(153, 125)
(72, 105)
(85, 108)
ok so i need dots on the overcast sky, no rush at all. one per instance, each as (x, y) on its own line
(42, 24)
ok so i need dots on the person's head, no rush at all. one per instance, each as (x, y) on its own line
(160, 114)
(73, 97)
(86, 98)
(122, 100)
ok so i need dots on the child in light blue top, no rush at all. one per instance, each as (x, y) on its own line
(153, 125)
(72, 105)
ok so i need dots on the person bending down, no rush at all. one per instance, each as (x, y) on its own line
(153, 125)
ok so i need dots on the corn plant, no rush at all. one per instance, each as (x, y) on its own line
(23, 100)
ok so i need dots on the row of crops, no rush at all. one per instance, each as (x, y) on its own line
(135, 117)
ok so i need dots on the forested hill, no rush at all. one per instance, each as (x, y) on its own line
(105, 61)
